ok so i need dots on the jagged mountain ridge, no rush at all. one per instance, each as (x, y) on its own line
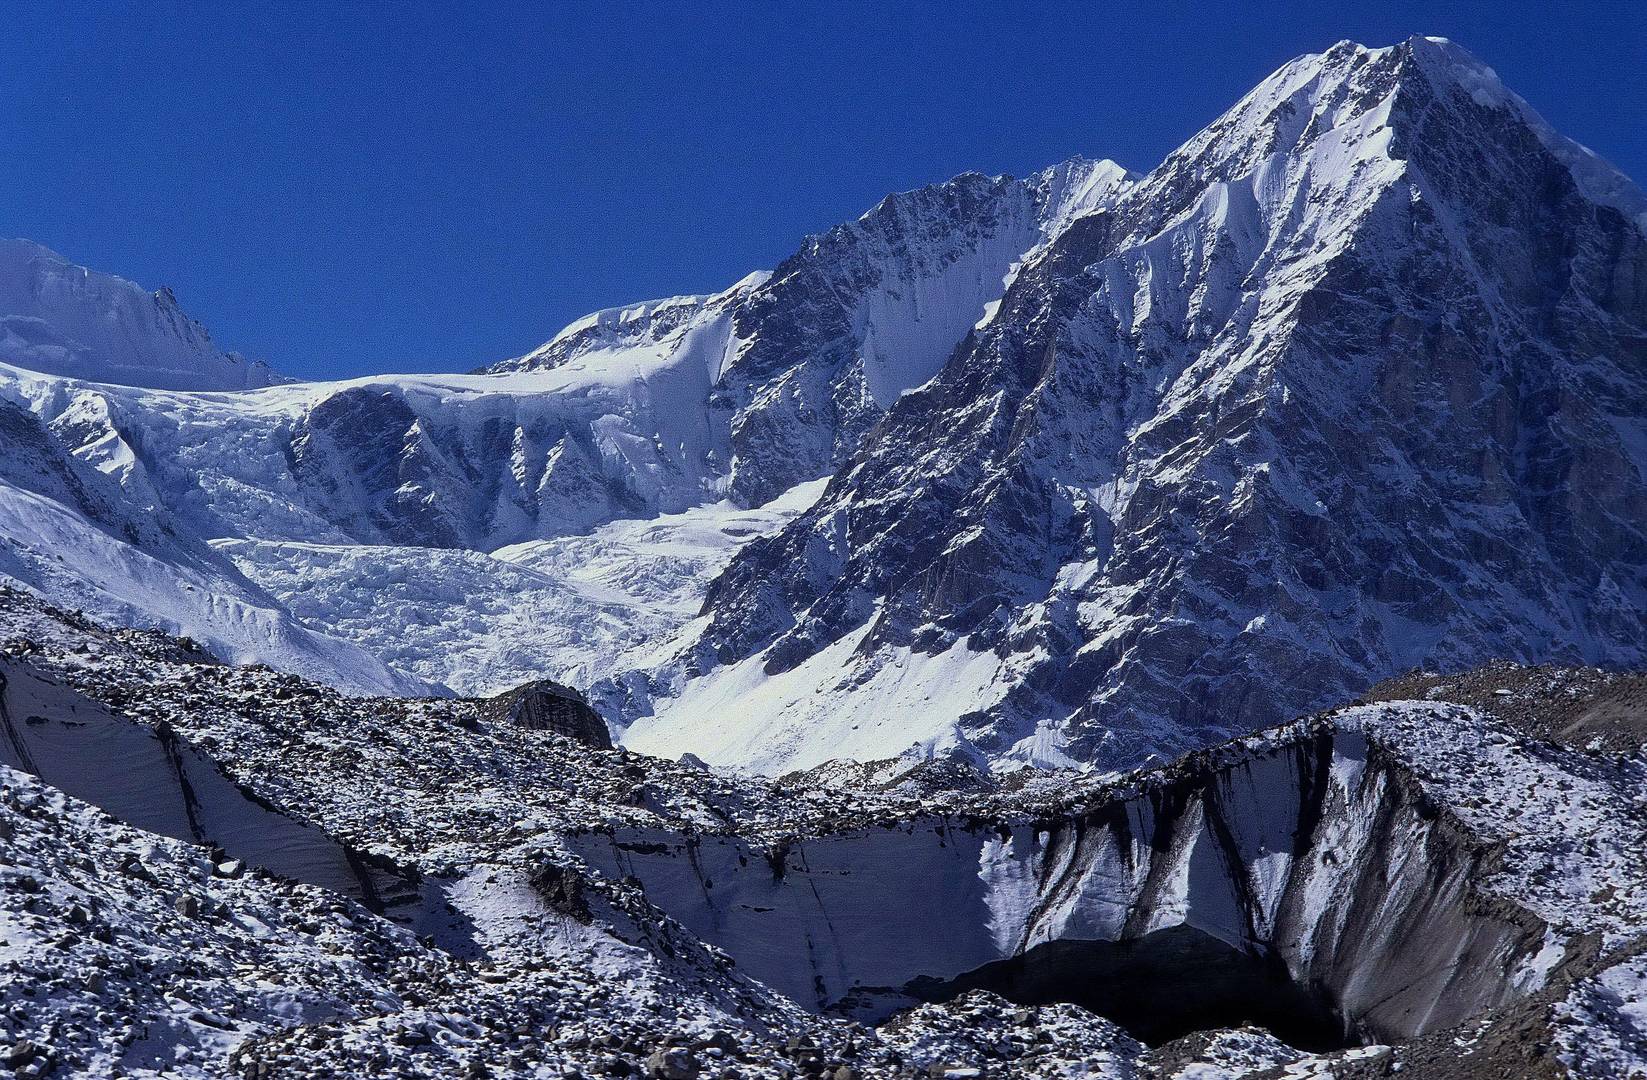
(654, 409)
(1352, 383)
(820, 347)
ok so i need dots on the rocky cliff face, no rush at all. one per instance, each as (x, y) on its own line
(874, 308)
(1350, 384)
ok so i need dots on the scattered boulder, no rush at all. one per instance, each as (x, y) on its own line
(549, 706)
(562, 889)
(132, 866)
(672, 1063)
(722, 1040)
(27, 1058)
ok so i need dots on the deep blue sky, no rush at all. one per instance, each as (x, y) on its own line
(342, 188)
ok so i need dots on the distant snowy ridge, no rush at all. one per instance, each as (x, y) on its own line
(63, 319)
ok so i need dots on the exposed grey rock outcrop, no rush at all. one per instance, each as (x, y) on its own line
(548, 706)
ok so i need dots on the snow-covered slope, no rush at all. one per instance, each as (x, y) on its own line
(63, 319)
(1353, 382)
(274, 522)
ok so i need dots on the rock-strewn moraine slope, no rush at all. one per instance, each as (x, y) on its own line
(1304, 875)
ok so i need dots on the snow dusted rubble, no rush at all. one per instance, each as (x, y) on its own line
(125, 953)
(129, 955)
(1588, 708)
(1228, 1055)
(1601, 1026)
(1041, 1042)
(575, 915)
(504, 970)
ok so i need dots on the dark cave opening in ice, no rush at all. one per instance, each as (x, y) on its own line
(1160, 987)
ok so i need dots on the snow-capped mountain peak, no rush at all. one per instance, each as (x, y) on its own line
(1058, 468)
(1290, 412)
(1378, 88)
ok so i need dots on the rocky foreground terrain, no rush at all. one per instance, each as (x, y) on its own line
(208, 870)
